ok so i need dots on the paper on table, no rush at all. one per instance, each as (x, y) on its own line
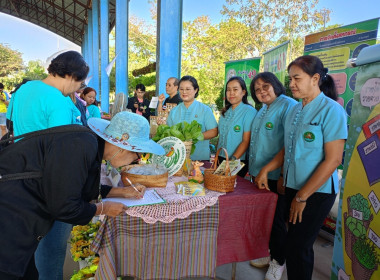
(153, 102)
(150, 197)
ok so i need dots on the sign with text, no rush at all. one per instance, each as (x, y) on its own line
(334, 47)
(275, 61)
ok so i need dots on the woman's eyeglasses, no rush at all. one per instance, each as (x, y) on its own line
(265, 87)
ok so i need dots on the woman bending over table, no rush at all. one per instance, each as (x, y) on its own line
(267, 139)
(66, 165)
(191, 109)
(235, 123)
(315, 132)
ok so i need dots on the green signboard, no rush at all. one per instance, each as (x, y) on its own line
(275, 61)
(246, 68)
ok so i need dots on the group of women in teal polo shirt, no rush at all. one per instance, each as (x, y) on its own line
(314, 133)
(304, 139)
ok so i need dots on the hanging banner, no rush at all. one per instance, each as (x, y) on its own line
(357, 239)
(275, 61)
(245, 68)
(334, 47)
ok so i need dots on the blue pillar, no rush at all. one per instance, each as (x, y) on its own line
(84, 46)
(90, 54)
(169, 42)
(95, 83)
(121, 29)
(104, 55)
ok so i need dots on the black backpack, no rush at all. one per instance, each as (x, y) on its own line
(8, 143)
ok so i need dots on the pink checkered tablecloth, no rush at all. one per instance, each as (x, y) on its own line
(235, 229)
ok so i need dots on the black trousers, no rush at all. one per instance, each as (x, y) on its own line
(301, 236)
(279, 230)
(30, 274)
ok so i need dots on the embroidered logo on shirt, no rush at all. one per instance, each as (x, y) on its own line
(269, 125)
(309, 136)
(196, 116)
(237, 128)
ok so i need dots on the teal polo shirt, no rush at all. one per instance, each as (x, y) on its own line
(93, 111)
(37, 106)
(232, 127)
(204, 116)
(307, 129)
(267, 135)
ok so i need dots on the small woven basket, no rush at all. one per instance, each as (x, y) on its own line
(219, 183)
(149, 181)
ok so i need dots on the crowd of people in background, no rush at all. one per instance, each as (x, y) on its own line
(289, 147)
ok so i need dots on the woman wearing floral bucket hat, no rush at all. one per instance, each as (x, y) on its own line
(66, 165)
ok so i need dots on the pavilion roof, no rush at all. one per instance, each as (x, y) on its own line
(66, 18)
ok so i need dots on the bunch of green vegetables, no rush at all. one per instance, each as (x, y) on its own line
(359, 203)
(184, 131)
(356, 227)
(366, 253)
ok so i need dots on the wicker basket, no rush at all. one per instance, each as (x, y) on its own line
(149, 181)
(219, 183)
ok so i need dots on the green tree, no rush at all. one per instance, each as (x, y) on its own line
(35, 70)
(10, 61)
(272, 22)
(205, 49)
(141, 50)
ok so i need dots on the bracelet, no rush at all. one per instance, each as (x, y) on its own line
(101, 212)
(299, 200)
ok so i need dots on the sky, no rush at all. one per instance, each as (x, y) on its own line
(37, 43)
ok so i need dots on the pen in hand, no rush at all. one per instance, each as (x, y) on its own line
(133, 186)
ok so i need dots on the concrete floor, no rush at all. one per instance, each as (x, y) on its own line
(323, 251)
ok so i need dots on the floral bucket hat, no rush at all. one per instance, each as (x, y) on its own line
(128, 131)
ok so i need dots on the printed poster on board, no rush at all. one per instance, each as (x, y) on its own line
(275, 61)
(357, 238)
(334, 47)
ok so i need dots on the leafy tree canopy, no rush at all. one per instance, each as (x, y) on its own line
(10, 61)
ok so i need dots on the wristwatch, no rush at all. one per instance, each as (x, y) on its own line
(298, 199)
(233, 158)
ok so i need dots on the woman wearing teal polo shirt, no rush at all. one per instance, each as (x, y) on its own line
(315, 133)
(235, 123)
(189, 110)
(267, 139)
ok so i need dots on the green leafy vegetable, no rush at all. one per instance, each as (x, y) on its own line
(359, 203)
(184, 131)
